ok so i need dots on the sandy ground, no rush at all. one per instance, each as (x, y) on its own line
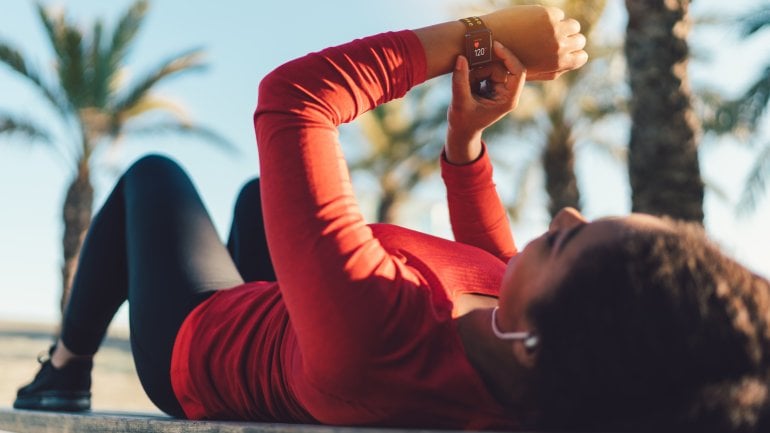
(115, 384)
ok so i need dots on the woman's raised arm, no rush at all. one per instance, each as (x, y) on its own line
(547, 43)
(339, 284)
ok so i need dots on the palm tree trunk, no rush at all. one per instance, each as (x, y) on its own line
(559, 167)
(386, 208)
(77, 218)
(663, 149)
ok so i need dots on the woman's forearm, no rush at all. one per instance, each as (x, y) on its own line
(541, 37)
(311, 217)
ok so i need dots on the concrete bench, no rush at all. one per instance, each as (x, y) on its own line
(24, 421)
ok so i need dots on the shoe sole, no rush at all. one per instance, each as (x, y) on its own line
(65, 402)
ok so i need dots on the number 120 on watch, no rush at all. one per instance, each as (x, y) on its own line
(478, 48)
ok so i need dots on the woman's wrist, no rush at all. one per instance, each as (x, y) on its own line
(525, 30)
(462, 147)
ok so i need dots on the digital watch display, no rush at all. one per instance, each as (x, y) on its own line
(478, 42)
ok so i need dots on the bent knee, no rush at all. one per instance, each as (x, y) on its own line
(153, 166)
(249, 191)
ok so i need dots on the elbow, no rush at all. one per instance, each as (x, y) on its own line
(281, 106)
(291, 95)
(274, 91)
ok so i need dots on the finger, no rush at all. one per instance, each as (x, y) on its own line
(461, 85)
(499, 73)
(512, 63)
(516, 85)
(544, 76)
(570, 26)
(579, 58)
(575, 42)
(554, 13)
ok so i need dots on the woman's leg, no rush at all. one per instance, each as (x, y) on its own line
(175, 260)
(153, 243)
(247, 243)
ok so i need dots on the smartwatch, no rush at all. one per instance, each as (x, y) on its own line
(478, 42)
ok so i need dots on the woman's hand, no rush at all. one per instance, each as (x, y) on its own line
(547, 42)
(475, 107)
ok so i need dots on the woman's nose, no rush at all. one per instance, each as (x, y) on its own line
(568, 217)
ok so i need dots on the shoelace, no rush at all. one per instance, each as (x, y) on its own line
(43, 357)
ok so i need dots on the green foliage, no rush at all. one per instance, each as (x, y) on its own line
(563, 113)
(406, 136)
(756, 182)
(124, 34)
(743, 116)
(87, 67)
(14, 60)
(755, 21)
(10, 125)
(85, 90)
(185, 62)
(402, 145)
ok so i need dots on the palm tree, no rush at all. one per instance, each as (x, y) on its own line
(402, 148)
(561, 113)
(94, 106)
(663, 149)
(743, 116)
(403, 142)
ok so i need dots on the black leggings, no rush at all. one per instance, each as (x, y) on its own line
(154, 244)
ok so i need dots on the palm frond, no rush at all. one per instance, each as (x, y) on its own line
(743, 114)
(14, 60)
(193, 130)
(125, 32)
(53, 26)
(154, 103)
(186, 62)
(756, 182)
(72, 71)
(714, 188)
(595, 110)
(610, 149)
(363, 164)
(27, 128)
(756, 98)
(66, 41)
(755, 21)
(605, 50)
(420, 169)
(373, 128)
(98, 78)
(713, 19)
(709, 103)
(521, 185)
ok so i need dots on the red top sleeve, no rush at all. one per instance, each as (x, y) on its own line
(339, 284)
(476, 213)
(335, 277)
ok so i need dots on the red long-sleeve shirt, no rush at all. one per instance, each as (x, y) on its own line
(358, 330)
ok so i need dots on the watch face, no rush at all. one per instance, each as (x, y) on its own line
(478, 47)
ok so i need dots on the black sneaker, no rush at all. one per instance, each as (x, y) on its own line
(66, 389)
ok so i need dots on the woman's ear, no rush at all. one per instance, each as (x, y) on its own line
(525, 356)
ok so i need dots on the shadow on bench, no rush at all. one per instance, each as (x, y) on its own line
(24, 421)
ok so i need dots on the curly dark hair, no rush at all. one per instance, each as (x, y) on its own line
(659, 331)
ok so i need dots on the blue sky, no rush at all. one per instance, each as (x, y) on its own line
(245, 40)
